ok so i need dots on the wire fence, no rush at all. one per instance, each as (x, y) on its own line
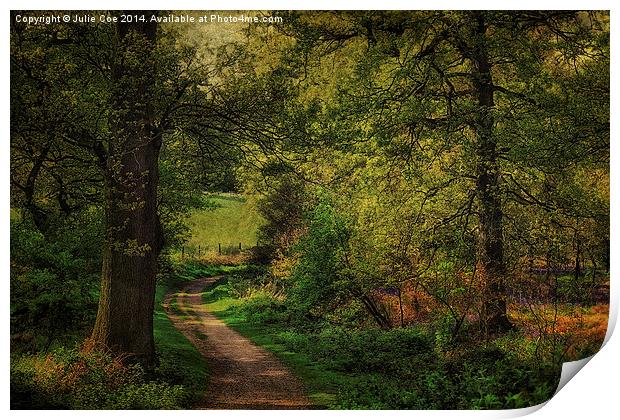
(219, 249)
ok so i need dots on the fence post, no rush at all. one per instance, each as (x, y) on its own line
(219, 248)
(199, 250)
(239, 246)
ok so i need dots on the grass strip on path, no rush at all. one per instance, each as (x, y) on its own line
(179, 361)
(320, 383)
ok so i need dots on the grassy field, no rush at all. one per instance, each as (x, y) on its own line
(231, 220)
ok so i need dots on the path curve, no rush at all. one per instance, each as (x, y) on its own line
(242, 375)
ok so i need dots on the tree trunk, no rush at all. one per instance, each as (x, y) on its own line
(490, 237)
(577, 256)
(124, 323)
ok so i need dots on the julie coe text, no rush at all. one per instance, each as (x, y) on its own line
(134, 18)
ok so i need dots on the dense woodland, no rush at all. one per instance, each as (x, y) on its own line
(427, 196)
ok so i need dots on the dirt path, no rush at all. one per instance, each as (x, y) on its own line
(242, 374)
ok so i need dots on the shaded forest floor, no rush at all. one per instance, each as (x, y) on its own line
(230, 342)
(347, 367)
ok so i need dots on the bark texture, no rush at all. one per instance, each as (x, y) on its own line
(124, 323)
(490, 235)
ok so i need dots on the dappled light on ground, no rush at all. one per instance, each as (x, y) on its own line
(243, 375)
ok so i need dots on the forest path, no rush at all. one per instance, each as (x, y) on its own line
(242, 375)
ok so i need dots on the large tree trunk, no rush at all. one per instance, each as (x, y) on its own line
(133, 240)
(490, 237)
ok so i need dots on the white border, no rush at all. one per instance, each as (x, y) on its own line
(592, 394)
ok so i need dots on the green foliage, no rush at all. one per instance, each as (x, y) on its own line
(576, 290)
(321, 279)
(72, 379)
(362, 350)
(262, 306)
(216, 293)
(190, 269)
(282, 209)
(54, 280)
(404, 368)
(400, 370)
(381, 109)
(374, 392)
(336, 269)
(258, 299)
(492, 378)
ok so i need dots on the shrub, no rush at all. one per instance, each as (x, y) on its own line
(86, 379)
(282, 210)
(54, 283)
(263, 305)
(489, 377)
(374, 392)
(368, 350)
(398, 369)
(321, 280)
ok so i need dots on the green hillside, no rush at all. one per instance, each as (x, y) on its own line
(233, 220)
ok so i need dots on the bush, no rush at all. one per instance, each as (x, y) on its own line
(282, 210)
(490, 377)
(54, 282)
(321, 280)
(485, 381)
(86, 379)
(375, 393)
(398, 369)
(264, 306)
(368, 350)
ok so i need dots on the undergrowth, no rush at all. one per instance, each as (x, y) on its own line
(87, 379)
(79, 377)
(372, 368)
